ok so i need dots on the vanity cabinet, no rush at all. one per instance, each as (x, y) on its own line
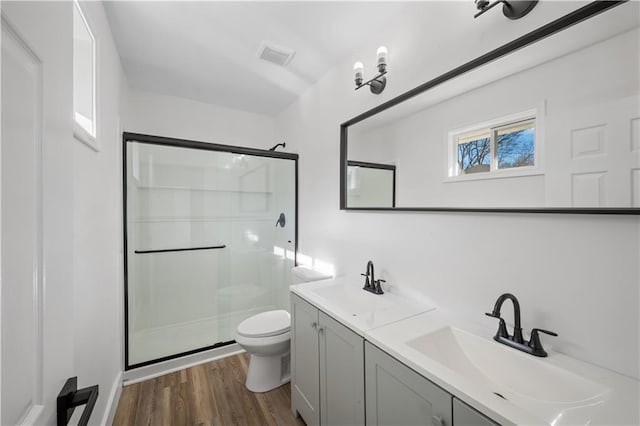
(398, 395)
(463, 415)
(327, 368)
(305, 361)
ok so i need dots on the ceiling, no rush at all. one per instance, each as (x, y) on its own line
(207, 51)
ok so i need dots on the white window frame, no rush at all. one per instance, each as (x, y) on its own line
(88, 137)
(452, 174)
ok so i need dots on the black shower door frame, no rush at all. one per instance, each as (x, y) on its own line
(128, 137)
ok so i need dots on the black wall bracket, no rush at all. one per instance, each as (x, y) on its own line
(71, 397)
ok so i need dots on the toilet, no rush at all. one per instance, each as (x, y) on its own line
(267, 338)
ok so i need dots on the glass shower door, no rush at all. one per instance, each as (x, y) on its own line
(210, 241)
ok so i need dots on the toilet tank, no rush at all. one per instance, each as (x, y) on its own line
(304, 274)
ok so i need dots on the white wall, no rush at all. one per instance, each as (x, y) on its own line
(575, 274)
(98, 231)
(170, 116)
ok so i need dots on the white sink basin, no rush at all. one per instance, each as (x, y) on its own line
(344, 299)
(352, 299)
(546, 391)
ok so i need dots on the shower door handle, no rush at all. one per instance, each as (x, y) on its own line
(181, 249)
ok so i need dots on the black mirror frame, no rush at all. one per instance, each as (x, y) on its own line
(588, 11)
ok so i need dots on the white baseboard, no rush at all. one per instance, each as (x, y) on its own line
(160, 369)
(112, 402)
(32, 416)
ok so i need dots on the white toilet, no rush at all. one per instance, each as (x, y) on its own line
(267, 338)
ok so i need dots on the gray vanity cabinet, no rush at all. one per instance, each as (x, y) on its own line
(463, 415)
(305, 361)
(397, 395)
(327, 368)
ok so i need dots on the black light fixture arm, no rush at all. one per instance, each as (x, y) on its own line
(377, 83)
(514, 9)
(484, 6)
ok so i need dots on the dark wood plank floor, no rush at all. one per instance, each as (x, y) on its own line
(208, 394)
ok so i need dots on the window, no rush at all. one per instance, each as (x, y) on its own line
(503, 147)
(84, 79)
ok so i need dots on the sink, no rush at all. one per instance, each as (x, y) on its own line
(534, 384)
(353, 299)
(344, 299)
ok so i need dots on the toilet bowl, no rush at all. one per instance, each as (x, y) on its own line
(267, 339)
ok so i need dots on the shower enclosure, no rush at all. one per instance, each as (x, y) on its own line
(210, 240)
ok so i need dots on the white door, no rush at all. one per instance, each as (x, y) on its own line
(595, 161)
(36, 218)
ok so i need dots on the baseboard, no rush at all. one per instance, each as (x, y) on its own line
(32, 417)
(112, 402)
(160, 369)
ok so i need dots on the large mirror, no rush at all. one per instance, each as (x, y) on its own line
(546, 123)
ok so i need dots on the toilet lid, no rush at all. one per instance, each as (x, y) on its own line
(266, 324)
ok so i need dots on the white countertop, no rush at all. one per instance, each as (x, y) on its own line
(392, 322)
(344, 299)
(617, 405)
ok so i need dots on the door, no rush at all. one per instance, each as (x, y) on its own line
(341, 374)
(210, 241)
(36, 228)
(397, 395)
(305, 364)
(596, 162)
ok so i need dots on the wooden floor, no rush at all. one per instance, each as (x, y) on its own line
(208, 394)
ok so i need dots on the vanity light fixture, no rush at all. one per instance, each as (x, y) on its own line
(379, 82)
(512, 9)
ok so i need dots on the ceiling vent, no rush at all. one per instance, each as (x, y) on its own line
(276, 54)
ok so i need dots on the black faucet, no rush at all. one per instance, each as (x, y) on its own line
(534, 346)
(370, 283)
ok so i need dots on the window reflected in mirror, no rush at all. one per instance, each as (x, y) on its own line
(491, 147)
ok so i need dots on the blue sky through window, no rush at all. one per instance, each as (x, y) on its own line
(516, 148)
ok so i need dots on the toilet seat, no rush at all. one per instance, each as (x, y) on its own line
(266, 324)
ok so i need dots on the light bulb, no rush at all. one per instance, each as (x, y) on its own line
(382, 55)
(358, 68)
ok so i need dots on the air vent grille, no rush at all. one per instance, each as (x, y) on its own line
(275, 54)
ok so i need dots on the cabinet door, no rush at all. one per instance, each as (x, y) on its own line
(305, 364)
(397, 395)
(341, 374)
(463, 415)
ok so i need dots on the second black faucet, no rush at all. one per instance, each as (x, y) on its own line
(534, 346)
